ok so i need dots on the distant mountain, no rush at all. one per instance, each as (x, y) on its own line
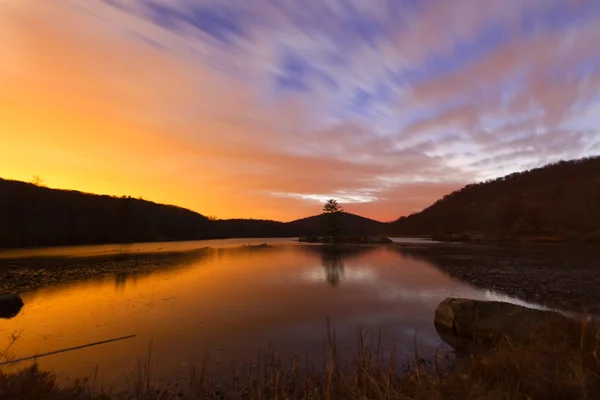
(32, 215)
(560, 200)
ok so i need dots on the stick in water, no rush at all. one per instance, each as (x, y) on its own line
(36, 356)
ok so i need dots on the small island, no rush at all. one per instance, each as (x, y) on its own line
(346, 239)
(335, 232)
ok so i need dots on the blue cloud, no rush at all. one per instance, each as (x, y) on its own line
(558, 15)
(370, 61)
(222, 23)
(295, 73)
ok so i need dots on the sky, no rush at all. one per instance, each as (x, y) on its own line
(267, 108)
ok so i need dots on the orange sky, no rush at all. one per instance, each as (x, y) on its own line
(87, 109)
(87, 104)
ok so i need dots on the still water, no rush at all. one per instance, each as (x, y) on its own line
(228, 303)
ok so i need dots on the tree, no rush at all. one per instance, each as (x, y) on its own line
(331, 206)
(38, 181)
(332, 211)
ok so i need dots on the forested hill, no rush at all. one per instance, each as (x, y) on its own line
(32, 215)
(560, 199)
(351, 223)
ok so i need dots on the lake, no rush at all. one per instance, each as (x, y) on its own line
(228, 300)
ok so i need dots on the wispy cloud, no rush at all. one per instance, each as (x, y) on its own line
(263, 108)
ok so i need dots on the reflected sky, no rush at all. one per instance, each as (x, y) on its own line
(230, 302)
(128, 248)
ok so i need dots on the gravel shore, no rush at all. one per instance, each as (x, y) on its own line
(557, 276)
(25, 274)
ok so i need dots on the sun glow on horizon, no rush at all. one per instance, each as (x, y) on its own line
(254, 112)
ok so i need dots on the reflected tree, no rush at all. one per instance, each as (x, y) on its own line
(120, 281)
(333, 264)
(334, 258)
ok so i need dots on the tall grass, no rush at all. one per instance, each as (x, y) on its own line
(559, 362)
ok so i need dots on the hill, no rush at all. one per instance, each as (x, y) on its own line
(351, 223)
(560, 200)
(309, 226)
(32, 215)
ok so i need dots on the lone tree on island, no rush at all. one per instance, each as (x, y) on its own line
(332, 210)
(331, 206)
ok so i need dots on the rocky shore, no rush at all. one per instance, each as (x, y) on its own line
(560, 277)
(25, 274)
(484, 237)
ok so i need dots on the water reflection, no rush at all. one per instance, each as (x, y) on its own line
(333, 264)
(226, 301)
(334, 259)
(122, 278)
(132, 248)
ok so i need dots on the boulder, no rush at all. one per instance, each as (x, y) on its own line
(490, 319)
(10, 305)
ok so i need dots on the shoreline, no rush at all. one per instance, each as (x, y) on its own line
(19, 275)
(532, 239)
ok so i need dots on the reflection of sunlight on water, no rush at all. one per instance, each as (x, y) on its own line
(495, 296)
(490, 295)
(349, 274)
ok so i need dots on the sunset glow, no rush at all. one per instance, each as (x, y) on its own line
(262, 109)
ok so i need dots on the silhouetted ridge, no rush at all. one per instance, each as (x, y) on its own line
(558, 199)
(32, 215)
(251, 228)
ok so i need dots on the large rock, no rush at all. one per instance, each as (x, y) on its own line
(10, 305)
(490, 319)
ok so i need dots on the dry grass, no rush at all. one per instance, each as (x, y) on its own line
(561, 362)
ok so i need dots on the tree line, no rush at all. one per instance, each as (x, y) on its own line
(561, 198)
